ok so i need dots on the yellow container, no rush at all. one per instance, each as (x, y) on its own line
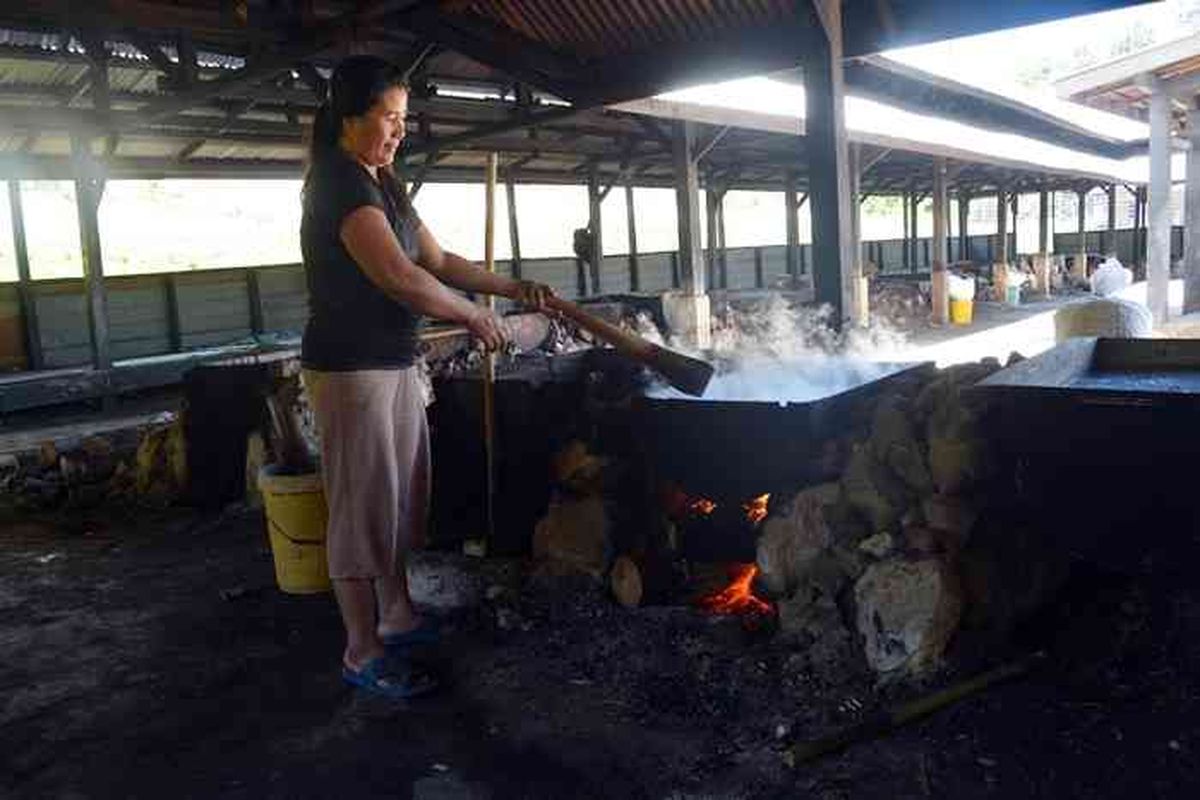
(296, 518)
(961, 311)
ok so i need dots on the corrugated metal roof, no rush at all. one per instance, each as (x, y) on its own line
(117, 49)
(592, 28)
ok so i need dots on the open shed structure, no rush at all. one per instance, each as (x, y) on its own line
(1159, 85)
(150, 89)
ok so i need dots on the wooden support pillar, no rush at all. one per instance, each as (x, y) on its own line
(688, 313)
(964, 224)
(597, 250)
(905, 250)
(1139, 232)
(1000, 261)
(759, 281)
(711, 199)
(938, 277)
(792, 209)
(860, 310)
(1158, 251)
(827, 156)
(89, 189)
(254, 296)
(514, 230)
(687, 202)
(635, 278)
(1041, 264)
(1191, 227)
(1110, 230)
(722, 257)
(914, 237)
(25, 294)
(1001, 256)
(174, 331)
(1079, 269)
(1014, 245)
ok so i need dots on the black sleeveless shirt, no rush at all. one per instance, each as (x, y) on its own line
(352, 324)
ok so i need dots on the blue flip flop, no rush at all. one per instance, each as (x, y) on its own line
(428, 631)
(391, 678)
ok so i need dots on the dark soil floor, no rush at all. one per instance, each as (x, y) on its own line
(151, 656)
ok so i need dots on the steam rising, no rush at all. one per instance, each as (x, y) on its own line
(771, 351)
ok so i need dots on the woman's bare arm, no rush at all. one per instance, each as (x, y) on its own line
(372, 244)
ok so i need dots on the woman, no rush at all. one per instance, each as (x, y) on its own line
(373, 271)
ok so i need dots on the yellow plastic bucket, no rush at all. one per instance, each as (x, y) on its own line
(961, 311)
(296, 517)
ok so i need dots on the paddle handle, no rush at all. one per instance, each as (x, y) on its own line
(628, 343)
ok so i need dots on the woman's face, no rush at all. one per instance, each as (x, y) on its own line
(374, 137)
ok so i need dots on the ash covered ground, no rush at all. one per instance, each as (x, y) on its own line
(152, 654)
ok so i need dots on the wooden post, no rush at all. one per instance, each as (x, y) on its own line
(635, 279)
(597, 251)
(964, 225)
(254, 296)
(1110, 233)
(711, 199)
(941, 295)
(758, 268)
(859, 293)
(174, 332)
(1079, 269)
(1041, 271)
(1014, 246)
(792, 209)
(1158, 250)
(906, 261)
(1139, 239)
(1191, 227)
(828, 156)
(514, 232)
(722, 256)
(489, 361)
(1000, 262)
(914, 238)
(89, 188)
(688, 311)
(687, 202)
(25, 294)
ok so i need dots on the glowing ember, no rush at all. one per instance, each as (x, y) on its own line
(756, 509)
(702, 506)
(737, 597)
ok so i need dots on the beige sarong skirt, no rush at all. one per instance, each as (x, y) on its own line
(375, 466)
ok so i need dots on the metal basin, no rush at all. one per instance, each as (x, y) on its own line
(734, 449)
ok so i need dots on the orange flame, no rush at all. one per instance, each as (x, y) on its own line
(756, 509)
(702, 506)
(737, 597)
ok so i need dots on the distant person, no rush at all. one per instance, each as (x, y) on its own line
(373, 271)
